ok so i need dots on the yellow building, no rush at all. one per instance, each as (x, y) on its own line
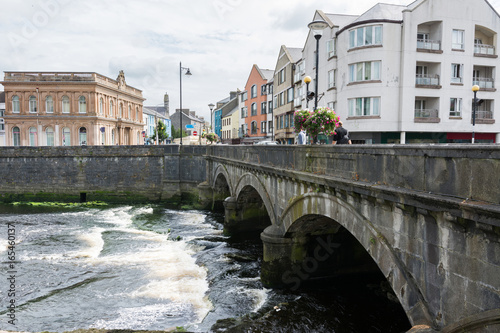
(68, 109)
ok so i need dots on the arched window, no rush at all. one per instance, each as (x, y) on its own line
(65, 104)
(253, 91)
(49, 136)
(16, 108)
(33, 135)
(49, 104)
(129, 112)
(16, 136)
(254, 127)
(66, 137)
(83, 136)
(111, 108)
(32, 104)
(254, 109)
(82, 105)
(101, 106)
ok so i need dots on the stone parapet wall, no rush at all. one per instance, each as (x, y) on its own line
(134, 173)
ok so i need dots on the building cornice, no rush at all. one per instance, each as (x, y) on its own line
(349, 26)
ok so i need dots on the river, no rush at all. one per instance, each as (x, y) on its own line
(147, 267)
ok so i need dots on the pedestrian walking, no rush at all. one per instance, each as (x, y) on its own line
(341, 135)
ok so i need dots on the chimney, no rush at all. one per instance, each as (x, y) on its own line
(166, 105)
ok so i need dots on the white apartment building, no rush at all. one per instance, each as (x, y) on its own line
(404, 74)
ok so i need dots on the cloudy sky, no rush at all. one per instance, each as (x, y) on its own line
(219, 40)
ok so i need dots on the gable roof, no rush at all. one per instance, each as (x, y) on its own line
(383, 11)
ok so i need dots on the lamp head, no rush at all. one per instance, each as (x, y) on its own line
(475, 88)
(211, 106)
(307, 80)
(317, 27)
(188, 72)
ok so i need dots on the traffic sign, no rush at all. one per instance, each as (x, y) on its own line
(195, 133)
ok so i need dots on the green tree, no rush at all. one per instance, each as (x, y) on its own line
(161, 130)
(176, 133)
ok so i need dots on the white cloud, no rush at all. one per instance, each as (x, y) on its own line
(219, 40)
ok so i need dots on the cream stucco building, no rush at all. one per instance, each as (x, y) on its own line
(71, 108)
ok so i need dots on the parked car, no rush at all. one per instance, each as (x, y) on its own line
(266, 142)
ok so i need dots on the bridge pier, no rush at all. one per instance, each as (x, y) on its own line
(244, 216)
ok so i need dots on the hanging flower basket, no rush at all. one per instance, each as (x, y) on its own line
(321, 121)
(211, 137)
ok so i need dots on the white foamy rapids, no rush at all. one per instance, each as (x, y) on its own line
(176, 277)
(94, 243)
(258, 296)
(121, 216)
(142, 318)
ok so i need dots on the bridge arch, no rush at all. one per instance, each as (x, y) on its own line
(321, 205)
(221, 174)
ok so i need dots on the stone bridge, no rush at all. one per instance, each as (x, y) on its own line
(426, 217)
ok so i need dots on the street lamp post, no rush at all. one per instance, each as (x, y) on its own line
(211, 107)
(475, 89)
(309, 94)
(317, 28)
(188, 72)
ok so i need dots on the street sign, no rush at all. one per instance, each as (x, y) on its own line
(195, 133)
(189, 126)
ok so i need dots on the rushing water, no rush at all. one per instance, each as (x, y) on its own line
(151, 268)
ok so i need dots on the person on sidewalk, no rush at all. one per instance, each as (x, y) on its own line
(341, 136)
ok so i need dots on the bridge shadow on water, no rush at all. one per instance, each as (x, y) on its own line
(357, 299)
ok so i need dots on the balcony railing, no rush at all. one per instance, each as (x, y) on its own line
(484, 49)
(426, 44)
(482, 114)
(427, 80)
(426, 113)
(484, 82)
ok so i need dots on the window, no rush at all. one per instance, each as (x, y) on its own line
(270, 108)
(32, 105)
(282, 98)
(281, 121)
(456, 73)
(65, 104)
(121, 110)
(66, 137)
(331, 105)
(253, 91)
(111, 108)
(244, 112)
(129, 112)
(16, 136)
(254, 109)
(101, 105)
(275, 101)
(289, 95)
(244, 96)
(365, 36)
(15, 104)
(270, 126)
(263, 89)
(82, 136)
(422, 37)
(49, 136)
(364, 71)
(263, 127)
(455, 107)
(112, 136)
(331, 79)
(457, 39)
(364, 106)
(137, 113)
(82, 105)
(253, 127)
(263, 107)
(33, 136)
(49, 104)
(286, 121)
(281, 76)
(331, 47)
